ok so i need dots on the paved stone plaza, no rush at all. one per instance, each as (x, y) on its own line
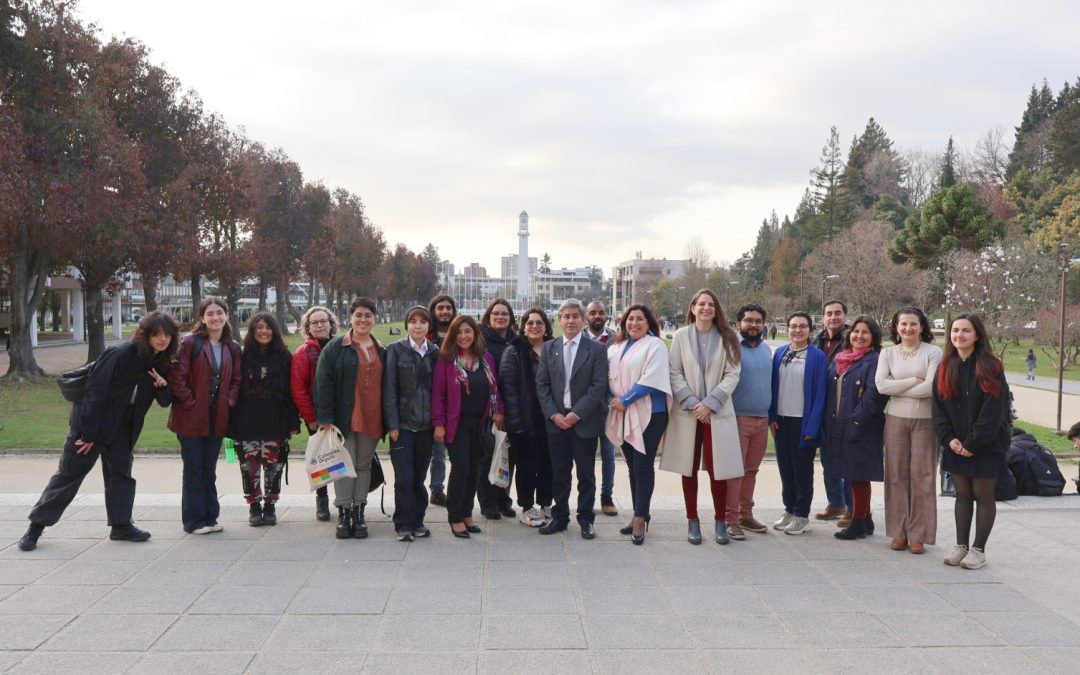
(291, 598)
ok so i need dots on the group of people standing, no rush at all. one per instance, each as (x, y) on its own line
(709, 402)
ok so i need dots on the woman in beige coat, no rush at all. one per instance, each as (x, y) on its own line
(702, 432)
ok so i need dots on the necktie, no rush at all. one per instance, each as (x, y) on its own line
(568, 358)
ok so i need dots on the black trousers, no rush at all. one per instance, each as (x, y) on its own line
(116, 460)
(568, 450)
(410, 457)
(532, 469)
(465, 453)
(796, 465)
(641, 466)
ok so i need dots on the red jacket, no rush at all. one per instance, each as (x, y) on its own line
(304, 360)
(189, 379)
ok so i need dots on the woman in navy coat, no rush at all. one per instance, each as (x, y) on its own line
(855, 420)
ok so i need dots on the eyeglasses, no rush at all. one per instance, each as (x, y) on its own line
(535, 324)
(798, 326)
(753, 322)
(320, 322)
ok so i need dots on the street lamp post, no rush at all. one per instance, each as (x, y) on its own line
(727, 295)
(824, 279)
(1066, 263)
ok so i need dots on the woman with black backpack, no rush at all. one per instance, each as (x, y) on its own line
(106, 422)
(265, 417)
(971, 419)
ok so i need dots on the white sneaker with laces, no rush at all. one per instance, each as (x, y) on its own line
(798, 525)
(783, 521)
(533, 517)
(956, 555)
(974, 559)
(205, 529)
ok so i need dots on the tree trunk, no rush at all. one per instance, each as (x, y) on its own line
(232, 296)
(150, 285)
(27, 289)
(314, 289)
(95, 322)
(282, 289)
(262, 295)
(196, 293)
(54, 310)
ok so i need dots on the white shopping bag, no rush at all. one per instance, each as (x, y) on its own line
(499, 473)
(326, 458)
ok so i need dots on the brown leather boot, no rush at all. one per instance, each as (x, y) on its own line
(845, 520)
(830, 513)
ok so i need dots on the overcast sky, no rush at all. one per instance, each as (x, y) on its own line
(619, 126)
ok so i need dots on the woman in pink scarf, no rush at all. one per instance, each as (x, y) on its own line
(640, 389)
(855, 420)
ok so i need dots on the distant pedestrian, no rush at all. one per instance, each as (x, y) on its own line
(1030, 361)
(205, 380)
(265, 417)
(971, 419)
(106, 424)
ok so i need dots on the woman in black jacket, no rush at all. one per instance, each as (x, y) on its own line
(264, 418)
(525, 420)
(497, 327)
(406, 393)
(107, 423)
(971, 419)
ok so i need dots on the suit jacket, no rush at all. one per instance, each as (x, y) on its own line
(588, 385)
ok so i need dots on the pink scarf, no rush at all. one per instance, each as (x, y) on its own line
(849, 357)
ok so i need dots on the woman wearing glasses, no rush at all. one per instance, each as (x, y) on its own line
(799, 375)
(497, 328)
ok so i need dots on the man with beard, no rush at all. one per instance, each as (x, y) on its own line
(442, 309)
(831, 341)
(751, 399)
(596, 320)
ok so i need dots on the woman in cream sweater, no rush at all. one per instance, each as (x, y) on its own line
(906, 374)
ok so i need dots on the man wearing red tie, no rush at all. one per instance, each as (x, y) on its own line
(596, 318)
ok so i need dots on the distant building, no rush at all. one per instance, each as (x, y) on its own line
(631, 279)
(475, 271)
(509, 266)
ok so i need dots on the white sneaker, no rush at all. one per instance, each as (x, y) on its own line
(546, 510)
(205, 529)
(783, 521)
(798, 525)
(216, 527)
(956, 555)
(974, 560)
(533, 517)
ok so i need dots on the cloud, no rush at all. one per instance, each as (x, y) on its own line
(619, 126)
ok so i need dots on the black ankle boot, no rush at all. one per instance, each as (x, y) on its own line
(359, 524)
(344, 523)
(29, 540)
(322, 505)
(869, 521)
(270, 514)
(255, 515)
(856, 529)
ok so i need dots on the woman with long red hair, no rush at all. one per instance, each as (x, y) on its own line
(971, 419)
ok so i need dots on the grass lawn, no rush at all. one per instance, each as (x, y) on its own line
(1045, 365)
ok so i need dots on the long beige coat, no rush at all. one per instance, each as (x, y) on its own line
(721, 377)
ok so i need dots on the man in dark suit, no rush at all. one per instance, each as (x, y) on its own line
(571, 383)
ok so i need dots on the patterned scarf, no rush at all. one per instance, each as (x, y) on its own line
(846, 359)
(463, 370)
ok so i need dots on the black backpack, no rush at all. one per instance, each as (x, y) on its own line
(1035, 468)
(73, 383)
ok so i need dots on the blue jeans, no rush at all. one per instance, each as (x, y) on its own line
(837, 490)
(438, 467)
(607, 466)
(199, 499)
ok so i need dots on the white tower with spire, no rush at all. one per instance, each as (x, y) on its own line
(523, 258)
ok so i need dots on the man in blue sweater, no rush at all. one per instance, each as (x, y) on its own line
(751, 398)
